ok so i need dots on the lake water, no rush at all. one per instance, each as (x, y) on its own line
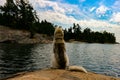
(99, 58)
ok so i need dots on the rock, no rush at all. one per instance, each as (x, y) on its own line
(57, 74)
(8, 35)
(9, 41)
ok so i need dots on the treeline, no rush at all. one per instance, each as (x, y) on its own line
(19, 14)
(86, 35)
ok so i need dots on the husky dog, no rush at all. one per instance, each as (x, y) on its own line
(60, 59)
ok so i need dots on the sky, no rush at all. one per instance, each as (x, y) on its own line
(98, 15)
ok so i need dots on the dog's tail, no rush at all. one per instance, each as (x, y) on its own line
(77, 68)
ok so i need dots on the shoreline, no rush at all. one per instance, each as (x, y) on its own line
(8, 35)
(74, 41)
(59, 74)
(89, 43)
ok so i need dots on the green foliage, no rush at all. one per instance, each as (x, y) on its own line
(88, 36)
(8, 12)
(44, 27)
(21, 15)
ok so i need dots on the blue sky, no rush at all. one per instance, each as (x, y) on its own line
(99, 15)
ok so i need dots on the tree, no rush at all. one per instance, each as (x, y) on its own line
(19, 14)
(77, 31)
(27, 15)
(8, 12)
(88, 35)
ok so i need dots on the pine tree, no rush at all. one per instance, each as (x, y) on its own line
(8, 11)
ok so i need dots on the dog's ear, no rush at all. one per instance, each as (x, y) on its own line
(58, 30)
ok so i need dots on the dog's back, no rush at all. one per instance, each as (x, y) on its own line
(59, 49)
(59, 53)
(60, 59)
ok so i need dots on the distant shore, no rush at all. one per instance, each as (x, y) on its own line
(8, 35)
(73, 41)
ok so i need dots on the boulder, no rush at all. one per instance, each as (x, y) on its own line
(57, 74)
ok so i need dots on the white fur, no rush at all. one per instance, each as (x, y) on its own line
(77, 68)
(59, 34)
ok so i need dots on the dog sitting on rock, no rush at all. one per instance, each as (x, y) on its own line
(60, 59)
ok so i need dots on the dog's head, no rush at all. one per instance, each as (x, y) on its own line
(59, 35)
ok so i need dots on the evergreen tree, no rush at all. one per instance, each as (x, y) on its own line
(8, 12)
(19, 14)
(88, 35)
(27, 15)
(77, 31)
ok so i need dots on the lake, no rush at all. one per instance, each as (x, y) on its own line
(99, 58)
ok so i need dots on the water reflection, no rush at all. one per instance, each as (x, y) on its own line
(99, 58)
(14, 58)
(41, 55)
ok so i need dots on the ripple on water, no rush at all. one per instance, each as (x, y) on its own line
(99, 58)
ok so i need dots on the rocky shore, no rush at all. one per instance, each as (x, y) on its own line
(57, 74)
(8, 35)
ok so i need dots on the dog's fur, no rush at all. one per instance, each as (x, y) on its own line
(60, 59)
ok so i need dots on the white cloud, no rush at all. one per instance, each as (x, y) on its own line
(59, 12)
(56, 17)
(92, 9)
(2, 2)
(102, 9)
(116, 17)
(59, 16)
(62, 8)
(116, 5)
(46, 3)
(98, 25)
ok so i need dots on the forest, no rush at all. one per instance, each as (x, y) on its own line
(87, 35)
(19, 14)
